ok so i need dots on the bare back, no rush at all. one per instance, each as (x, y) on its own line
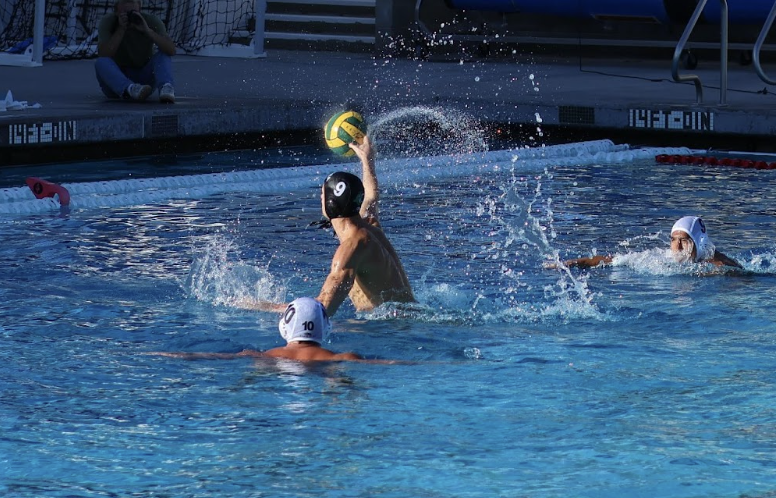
(380, 277)
(364, 267)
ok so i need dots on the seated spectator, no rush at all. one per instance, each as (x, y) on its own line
(127, 66)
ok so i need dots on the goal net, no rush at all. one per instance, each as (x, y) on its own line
(70, 26)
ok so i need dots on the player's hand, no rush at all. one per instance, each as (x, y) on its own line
(363, 150)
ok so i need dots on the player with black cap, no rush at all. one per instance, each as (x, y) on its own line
(365, 266)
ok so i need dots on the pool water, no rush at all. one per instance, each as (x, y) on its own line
(643, 378)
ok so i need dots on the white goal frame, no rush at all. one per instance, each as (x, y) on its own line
(33, 54)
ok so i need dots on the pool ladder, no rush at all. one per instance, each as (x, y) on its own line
(759, 45)
(723, 71)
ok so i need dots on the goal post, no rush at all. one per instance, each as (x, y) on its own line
(37, 32)
(244, 33)
(29, 54)
(67, 29)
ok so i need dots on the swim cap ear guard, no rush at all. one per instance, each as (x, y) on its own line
(305, 319)
(343, 194)
(323, 223)
(696, 229)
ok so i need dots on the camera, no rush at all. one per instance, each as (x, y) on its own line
(134, 17)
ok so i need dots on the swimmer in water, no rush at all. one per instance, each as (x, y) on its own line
(689, 244)
(304, 325)
(365, 266)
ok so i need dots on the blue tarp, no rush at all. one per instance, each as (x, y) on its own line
(678, 11)
(48, 43)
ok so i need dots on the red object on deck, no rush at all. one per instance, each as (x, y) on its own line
(43, 188)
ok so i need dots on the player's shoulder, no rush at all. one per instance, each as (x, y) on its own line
(721, 259)
(349, 356)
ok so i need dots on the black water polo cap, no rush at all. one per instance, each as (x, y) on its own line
(343, 194)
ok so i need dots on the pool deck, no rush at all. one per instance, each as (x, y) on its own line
(294, 91)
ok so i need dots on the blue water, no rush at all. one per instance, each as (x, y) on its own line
(640, 379)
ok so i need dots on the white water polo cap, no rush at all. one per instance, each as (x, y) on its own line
(696, 229)
(305, 319)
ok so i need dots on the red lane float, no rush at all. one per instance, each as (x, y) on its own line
(43, 189)
(735, 162)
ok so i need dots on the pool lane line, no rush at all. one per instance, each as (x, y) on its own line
(119, 193)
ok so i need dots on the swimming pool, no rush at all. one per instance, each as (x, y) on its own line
(645, 378)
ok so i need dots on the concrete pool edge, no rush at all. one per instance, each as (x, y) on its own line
(230, 103)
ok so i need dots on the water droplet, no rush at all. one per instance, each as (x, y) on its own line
(472, 353)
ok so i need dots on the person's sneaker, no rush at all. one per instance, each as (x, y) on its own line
(167, 94)
(138, 92)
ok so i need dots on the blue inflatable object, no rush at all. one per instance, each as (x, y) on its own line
(49, 42)
(573, 8)
(663, 11)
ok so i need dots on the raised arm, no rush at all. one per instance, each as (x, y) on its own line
(369, 208)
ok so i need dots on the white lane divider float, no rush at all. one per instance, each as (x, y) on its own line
(41, 196)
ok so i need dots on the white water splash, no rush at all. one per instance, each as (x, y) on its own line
(426, 131)
(764, 263)
(525, 234)
(218, 276)
(661, 262)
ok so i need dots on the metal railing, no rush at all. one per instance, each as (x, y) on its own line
(759, 45)
(723, 69)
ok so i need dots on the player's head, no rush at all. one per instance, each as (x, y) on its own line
(689, 240)
(305, 319)
(343, 194)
